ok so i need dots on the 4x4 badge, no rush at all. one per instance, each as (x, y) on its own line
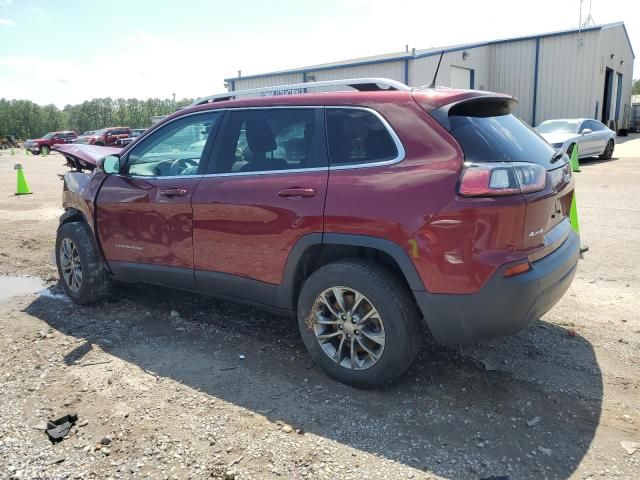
(537, 232)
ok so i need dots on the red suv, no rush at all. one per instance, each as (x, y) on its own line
(43, 144)
(361, 213)
(107, 137)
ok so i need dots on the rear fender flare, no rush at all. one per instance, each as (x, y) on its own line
(285, 291)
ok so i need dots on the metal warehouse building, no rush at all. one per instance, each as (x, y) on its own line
(572, 73)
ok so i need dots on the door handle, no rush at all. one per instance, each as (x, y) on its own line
(174, 192)
(297, 192)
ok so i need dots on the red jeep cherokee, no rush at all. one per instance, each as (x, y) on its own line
(107, 137)
(360, 212)
(43, 144)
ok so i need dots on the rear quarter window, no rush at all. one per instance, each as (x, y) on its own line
(357, 137)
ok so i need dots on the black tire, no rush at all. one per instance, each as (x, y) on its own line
(570, 149)
(99, 144)
(45, 150)
(35, 152)
(95, 281)
(394, 303)
(608, 151)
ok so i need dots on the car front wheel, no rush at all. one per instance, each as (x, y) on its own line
(359, 323)
(83, 274)
(44, 149)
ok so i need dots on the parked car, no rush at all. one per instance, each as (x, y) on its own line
(360, 213)
(86, 134)
(107, 137)
(43, 145)
(592, 137)
(135, 133)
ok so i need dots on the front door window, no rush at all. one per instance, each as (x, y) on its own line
(176, 149)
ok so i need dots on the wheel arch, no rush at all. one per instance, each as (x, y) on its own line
(72, 215)
(315, 250)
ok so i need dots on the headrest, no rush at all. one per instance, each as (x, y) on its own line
(259, 136)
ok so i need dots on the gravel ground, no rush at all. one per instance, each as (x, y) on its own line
(174, 385)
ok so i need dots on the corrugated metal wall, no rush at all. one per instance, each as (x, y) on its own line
(245, 83)
(421, 70)
(512, 67)
(570, 77)
(566, 75)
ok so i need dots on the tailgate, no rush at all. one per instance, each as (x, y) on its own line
(547, 214)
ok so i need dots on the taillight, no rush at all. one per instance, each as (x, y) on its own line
(498, 178)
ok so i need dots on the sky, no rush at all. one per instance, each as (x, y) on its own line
(68, 51)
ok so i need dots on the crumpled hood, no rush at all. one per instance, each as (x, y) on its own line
(84, 156)
(558, 137)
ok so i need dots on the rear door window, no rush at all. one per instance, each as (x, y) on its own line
(268, 140)
(502, 138)
(357, 137)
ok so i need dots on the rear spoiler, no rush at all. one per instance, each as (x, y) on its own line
(83, 157)
(480, 106)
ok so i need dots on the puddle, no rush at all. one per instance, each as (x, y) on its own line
(12, 286)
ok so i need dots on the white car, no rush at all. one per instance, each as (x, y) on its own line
(591, 137)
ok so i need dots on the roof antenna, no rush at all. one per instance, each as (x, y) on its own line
(435, 75)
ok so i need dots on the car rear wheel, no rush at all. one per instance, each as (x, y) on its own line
(99, 144)
(359, 323)
(608, 151)
(83, 274)
(44, 149)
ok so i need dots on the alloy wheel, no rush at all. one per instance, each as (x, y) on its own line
(70, 264)
(348, 328)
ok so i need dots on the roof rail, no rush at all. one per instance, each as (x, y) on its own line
(360, 84)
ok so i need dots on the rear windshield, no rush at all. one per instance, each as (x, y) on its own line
(502, 138)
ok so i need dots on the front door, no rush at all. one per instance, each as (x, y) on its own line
(265, 191)
(144, 214)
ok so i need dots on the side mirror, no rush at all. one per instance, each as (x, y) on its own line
(586, 131)
(109, 164)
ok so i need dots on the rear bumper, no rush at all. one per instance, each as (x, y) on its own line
(504, 305)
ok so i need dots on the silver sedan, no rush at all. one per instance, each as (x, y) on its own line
(591, 137)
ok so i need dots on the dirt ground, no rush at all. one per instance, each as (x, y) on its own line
(174, 385)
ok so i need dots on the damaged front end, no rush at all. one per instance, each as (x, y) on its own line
(82, 183)
(84, 157)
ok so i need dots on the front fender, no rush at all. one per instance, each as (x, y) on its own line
(79, 194)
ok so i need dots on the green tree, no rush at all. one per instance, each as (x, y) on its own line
(636, 87)
(25, 119)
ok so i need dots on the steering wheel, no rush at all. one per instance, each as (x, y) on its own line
(179, 166)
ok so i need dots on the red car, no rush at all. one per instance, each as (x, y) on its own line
(43, 145)
(359, 212)
(107, 137)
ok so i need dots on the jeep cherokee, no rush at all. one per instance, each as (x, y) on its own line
(361, 213)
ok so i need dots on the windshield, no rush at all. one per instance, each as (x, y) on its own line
(89, 132)
(100, 132)
(559, 126)
(49, 135)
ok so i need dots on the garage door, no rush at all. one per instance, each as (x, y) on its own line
(460, 78)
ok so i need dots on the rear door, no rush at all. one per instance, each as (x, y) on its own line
(144, 214)
(265, 190)
(600, 136)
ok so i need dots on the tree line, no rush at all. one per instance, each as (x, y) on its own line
(25, 119)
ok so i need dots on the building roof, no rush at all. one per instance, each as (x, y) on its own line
(428, 52)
